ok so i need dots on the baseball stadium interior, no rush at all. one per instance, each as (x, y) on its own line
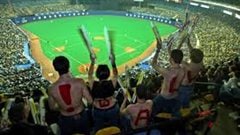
(119, 67)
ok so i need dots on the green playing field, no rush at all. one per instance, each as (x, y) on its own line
(61, 37)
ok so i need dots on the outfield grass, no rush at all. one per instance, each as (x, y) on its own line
(61, 37)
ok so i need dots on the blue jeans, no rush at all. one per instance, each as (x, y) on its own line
(125, 123)
(78, 123)
(184, 95)
(152, 132)
(105, 117)
(161, 104)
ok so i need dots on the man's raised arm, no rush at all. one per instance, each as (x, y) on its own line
(109, 42)
(91, 71)
(88, 44)
(158, 48)
(155, 59)
(169, 45)
(190, 48)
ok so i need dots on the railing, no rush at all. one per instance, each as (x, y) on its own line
(60, 14)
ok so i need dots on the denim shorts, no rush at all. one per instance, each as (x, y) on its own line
(184, 95)
(161, 104)
(78, 123)
(105, 117)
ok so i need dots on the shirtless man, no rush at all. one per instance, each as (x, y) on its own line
(191, 70)
(141, 111)
(66, 96)
(173, 76)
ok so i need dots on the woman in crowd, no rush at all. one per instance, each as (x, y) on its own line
(231, 88)
(105, 107)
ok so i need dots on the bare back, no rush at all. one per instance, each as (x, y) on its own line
(68, 93)
(172, 80)
(191, 72)
(140, 113)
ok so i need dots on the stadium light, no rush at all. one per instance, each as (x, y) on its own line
(204, 6)
(227, 12)
(237, 16)
(218, 4)
(194, 4)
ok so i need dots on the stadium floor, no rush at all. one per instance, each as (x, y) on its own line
(133, 39)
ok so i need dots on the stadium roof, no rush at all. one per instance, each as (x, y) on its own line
(218, 4)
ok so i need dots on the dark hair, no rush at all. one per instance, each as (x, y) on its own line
(141, 91)
(177, 55)
(236, 59)
(233, 68)
(237, 74)
(22, 129)
(16, 112)
(196, 55)
(61, 65)
(19, 99)
(102, 72)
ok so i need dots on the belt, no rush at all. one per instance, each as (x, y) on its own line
(105, 109)
(75, 116)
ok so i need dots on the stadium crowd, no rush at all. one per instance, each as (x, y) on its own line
(220, 65)
(12, 80)
(207, 33)
(8, 11)
(12, 40)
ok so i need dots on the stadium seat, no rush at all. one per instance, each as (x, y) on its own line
(164, 115)
(109, 131)
(185, 112)
(55, 129)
